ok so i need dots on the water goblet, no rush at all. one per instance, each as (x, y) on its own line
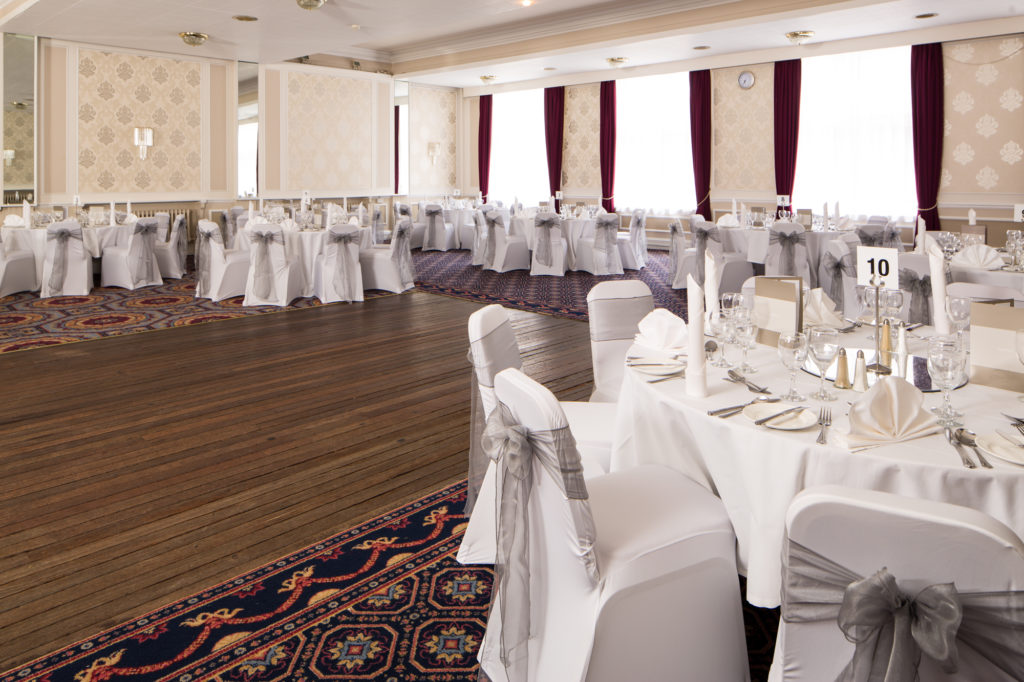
(959, 311)
(793, 353)
(731, 300)
(746, 335)
(892, 300)
(720, 326)
(946, 363)
(823, 345)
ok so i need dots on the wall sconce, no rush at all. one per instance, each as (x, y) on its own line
(433, 151)
(8, 157)
(143, 140)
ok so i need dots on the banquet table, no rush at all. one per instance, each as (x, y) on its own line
(757, 471)
(96, 239)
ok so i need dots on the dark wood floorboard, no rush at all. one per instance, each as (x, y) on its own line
(139, 469)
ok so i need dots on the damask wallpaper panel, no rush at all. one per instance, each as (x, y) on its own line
(19, 135)
(581, 146)
(119, 91)
(983, 148)
(432, 118)
(743, 133)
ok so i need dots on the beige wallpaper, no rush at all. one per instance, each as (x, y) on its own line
(117, 92)
(983, 150)
(329, 131)
(431, 119)
(743, 147)
(581, 146)
(19, 136)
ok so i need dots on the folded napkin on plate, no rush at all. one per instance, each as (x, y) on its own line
(892, 411)
(820, 311)
(661, 330)
(728, 220)
(845, 224)
(978, 256)
(14, 220)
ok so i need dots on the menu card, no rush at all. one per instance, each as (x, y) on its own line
(994, 360)
(778, 307)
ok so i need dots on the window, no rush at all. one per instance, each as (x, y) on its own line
(856, 136)
(519, 162)
(653, 157)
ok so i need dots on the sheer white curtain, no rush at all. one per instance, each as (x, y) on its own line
(856, 135)
(653, 157)
(519, 162)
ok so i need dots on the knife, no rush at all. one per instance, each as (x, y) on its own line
(1016, 420)
(1016, 440)
(791, 410)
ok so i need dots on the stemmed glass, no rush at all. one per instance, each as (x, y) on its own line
(720, 326)
(823, 344)
(959, 311)
(793, 353)
(946, 363)
(892, 300)
(746, 334)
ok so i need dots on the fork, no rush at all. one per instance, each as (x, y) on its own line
(1020, 428)
(824, 421)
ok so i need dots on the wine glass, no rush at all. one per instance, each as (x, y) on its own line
(719, 324)
(946, 363)
(892, 300)
(731, 300)
(959, 311)
(746, 334)
(823, 345)
(793, 353)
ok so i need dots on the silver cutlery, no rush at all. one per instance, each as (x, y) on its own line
(675, 375)
(969, 438)
(959, 450)
(1011, 438)
(1020, 427)
(1015, 420)
(824, 421)
(735, 409)
(739, 378)
(667, 363)
(791, 410)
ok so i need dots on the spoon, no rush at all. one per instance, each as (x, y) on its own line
(968, 438)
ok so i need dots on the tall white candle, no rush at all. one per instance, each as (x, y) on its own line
(734, 206)
(26, 213)
(824, 213)
(838, 215)
(112, 221)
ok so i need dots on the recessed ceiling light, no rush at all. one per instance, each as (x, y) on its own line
(550, 68)
(525, 3)
(244, 17)
(355, 27)
(616, 62)
(702, 47)
(487, 79)
(193, 38)
(927, 15)
(799, 37)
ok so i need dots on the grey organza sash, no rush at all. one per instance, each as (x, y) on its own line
(891, 630)
(480, 239)
(63, 236)
(494, 220)
(606, 233)
(920, 289)
(495, 351)
(181, 243)
(342, 278)
(831, 273)
(404, 210)
(617, 319)
(435, 232)
(638, 237)
(544, 222)
(892, 239)
(702, 234)
(401, 253)
(262, 270)
(788, 241)
(141, 260)
(870, 238)
(204, 254)
(517, 451)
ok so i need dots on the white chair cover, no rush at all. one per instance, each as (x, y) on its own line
(637, 241)
(337, 275)
(882, 587)
(607, 259)
(677, 241)
(163, 226)
(916, 282)
(220, 273)
(135, 265)
(439, 235)
(17, 271)
(390, 267)
(67, 266)
(837, 275)
(549, 249)
(787, 252)
(880, 234)
(480, 240)
(615, 309)
(509, 251)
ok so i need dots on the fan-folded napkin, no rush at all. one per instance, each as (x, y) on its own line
(978, 256)
(728, 220)
(661, 330)
(892, 411)
(13, 220)
(820, 311)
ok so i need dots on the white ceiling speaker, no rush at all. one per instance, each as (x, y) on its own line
(310, 4)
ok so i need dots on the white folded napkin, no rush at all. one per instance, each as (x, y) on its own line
(696, 369)
(937, 272)
(13, 220)
(845, 224)
(892, 411)
(972, 217)
(978, 256)
(728, 220)
(662, 330)
(820, 311)
(712, 277)
(289, 224)
(353, 221)
(922, 232)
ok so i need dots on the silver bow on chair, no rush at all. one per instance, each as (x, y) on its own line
(702, 233)
(788, 241)
(141, 259)
(182, 238)
(494, 221)
(607, 230)
(920, 290)
(892, 239)
(59, 269)
(543, 223)
(870, 238)
(342, 278)
(891, 630)
(638, 236)
(675, 233)
(404, 210)
(435, 232)
(401, 253)
(203, 255)
(263, 273)
(831, 272)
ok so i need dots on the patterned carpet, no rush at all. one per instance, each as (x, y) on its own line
(383, 601)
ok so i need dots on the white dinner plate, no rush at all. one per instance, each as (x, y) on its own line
(640, 341)
(997, 446)
(659, 370)
(791, 422)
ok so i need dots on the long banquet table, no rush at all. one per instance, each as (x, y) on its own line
(757, 471)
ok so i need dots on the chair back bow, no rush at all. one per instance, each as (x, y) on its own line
(141, 259)
(831, 274)
(435, 232)
(178, 233)
(543, 224)
(62, 234)
(342, 279)
(892, 239)
(920, 289)
(703, 232)
(494, 220)
(404, 210)
(788, 242)
(263, 275)
(204, 253)
(870, 237)
(606, 228)
(401, 252)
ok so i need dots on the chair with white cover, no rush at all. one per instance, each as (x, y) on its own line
(274, 277)
(787, 252)
(419, 227)
(337, 275)
(985, 293)
(677, 242)
(633, 246)
(133, 265)
(837, 275)
(707, 236)
(439, 235)
(639, 561)
(900, 588)
(220, 273)
(880, 234)
(504, 251)
(615, 309)
(17, 270)
(479, 252)
(465, 227)
(163, 226)
(171, 252)
(379, 224)
(549, 247)
(600, 254)
(67, 265)
(389, 266)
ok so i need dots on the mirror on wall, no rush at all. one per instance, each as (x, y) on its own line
(19, 117)
(402, 138)
(248, 127)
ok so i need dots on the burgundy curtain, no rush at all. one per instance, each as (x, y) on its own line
(608, 145)
(554, 121)
(787, 125)
(700, 138)
(483, 153)
(927, 92)
(396, 150)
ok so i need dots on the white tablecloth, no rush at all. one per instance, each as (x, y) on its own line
(999, 278)
(95, 239)
(757, 471)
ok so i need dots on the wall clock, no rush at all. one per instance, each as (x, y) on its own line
(746, 80)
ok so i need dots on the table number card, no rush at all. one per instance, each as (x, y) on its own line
(878, 264)
(994, 360)
(778, 307)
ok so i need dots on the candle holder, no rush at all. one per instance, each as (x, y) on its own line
(877, 366)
